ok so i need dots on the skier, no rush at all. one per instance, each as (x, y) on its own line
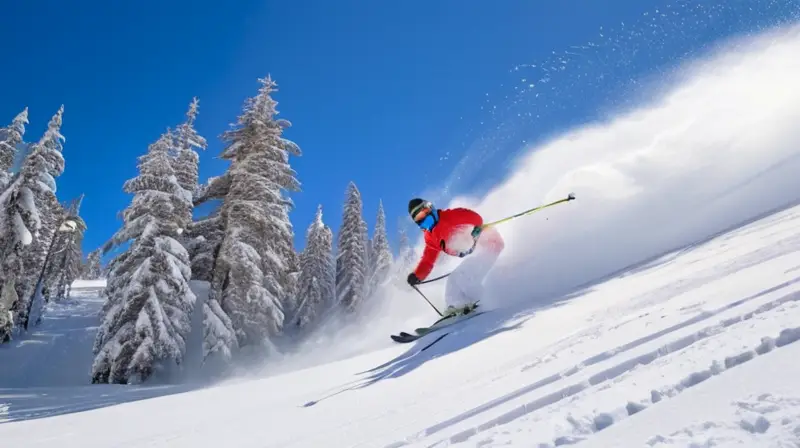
(446, 230)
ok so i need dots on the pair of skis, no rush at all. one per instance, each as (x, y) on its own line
(447, 321)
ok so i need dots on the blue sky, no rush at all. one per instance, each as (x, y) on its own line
(390, 95)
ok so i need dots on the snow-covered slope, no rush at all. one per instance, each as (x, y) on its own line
(693, 348)
(697, 345)
(47, 372)
(62, 342)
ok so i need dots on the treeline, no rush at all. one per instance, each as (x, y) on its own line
(261, 291)
(40, 238)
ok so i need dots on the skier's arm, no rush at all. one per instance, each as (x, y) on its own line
(469, 217)
(425, 265)
(466, 216)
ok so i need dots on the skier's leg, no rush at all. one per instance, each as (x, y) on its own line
(454, 296)
(465, 285)
(491, 241)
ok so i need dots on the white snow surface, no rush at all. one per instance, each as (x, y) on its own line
(695, 347)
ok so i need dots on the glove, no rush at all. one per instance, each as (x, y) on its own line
(413, 279)
(476, 232)
(466, 252)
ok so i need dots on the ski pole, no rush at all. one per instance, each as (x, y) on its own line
(426, 299)
(569, 197)
(435, 279)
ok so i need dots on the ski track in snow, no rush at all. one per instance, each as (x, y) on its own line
(66, 328)
(755, 415)
(49, 368)
(655, 352)
(590, 422)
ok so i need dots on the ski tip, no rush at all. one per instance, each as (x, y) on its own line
(404, 339)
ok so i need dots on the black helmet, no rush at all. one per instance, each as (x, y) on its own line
(417, 204)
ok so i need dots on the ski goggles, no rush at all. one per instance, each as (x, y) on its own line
(426, 216)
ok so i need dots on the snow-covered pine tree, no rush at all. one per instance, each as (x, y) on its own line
(92, 269)
(65, 262)
(380, 260)
(147, 317)
(351, 257)
(19, 223)
(256, 261)
(185, 161)
(72, 261)
(317, 282)
(8, 297)
(10, 137)
(203, 242)
(55, 257)
(204, 236)
(10, 223)
(35, 212)
(113, 282)
(202, 239)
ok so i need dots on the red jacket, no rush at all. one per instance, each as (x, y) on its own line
(436, 240)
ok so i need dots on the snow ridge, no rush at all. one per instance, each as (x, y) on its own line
(590, 424)
(364, 382)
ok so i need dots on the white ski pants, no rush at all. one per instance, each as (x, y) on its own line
(465, 285)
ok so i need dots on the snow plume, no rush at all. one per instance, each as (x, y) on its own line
(711, 149)
(715, 148)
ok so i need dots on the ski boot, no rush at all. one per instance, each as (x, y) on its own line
(452, 311)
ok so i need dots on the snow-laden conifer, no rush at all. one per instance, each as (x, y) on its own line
(92, 269)
(256, 261)
(203, 242)
(147, 317)
(32, 212)
(202, 239)
(317, 282)
(10, 138)
(351, 253)
(204, 236)
(8, 296)
(380, 260)
(11, 223)
(64, 263)
(185, 160)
